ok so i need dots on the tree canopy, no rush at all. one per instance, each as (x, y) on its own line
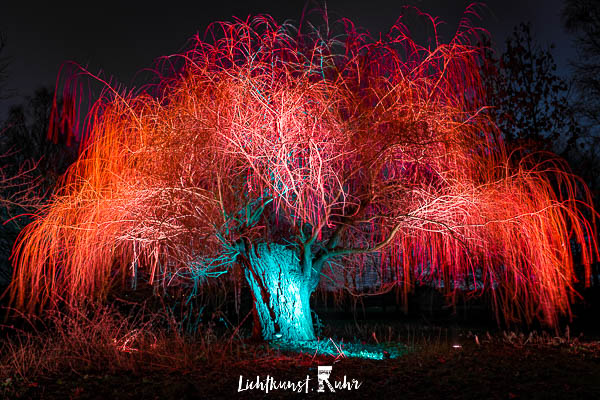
(326, 144)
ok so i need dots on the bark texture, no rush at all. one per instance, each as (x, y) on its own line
(281, 293)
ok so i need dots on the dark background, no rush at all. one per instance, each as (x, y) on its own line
(122, 38)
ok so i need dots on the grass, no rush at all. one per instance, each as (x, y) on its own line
(105, 353)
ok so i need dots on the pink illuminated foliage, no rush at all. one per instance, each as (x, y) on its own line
(336, 146)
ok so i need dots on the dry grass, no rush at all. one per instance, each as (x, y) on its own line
(106, 340)
(142, 354)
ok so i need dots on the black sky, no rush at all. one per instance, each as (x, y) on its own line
(121, 39)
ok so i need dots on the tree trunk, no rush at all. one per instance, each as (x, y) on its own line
(281, 293)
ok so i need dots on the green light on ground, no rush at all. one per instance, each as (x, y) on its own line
(336, 349)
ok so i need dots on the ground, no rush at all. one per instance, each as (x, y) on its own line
(497, 365)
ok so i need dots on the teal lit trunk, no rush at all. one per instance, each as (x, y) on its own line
(281, 293)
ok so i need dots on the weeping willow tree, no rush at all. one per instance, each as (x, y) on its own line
(297, 157)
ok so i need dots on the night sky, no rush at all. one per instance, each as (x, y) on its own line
(122, 39)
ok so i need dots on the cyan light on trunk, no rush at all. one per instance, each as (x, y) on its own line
(281, 293)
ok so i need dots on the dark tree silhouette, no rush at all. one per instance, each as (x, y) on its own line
(529, 100)
(582, 18)
(25, 136)
(31, 166)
